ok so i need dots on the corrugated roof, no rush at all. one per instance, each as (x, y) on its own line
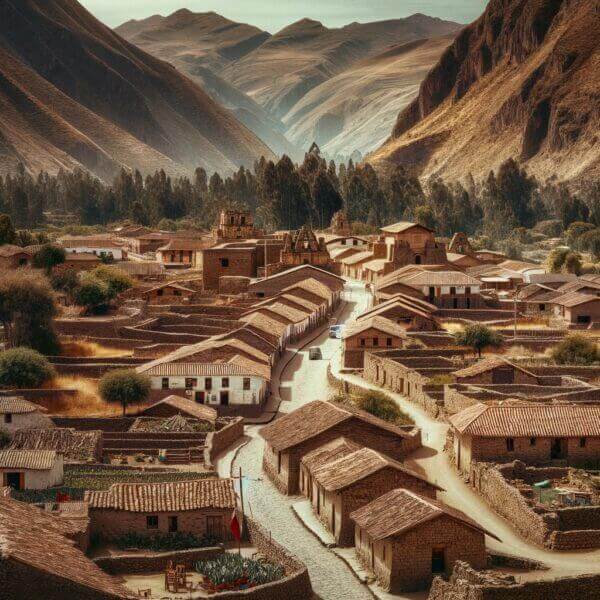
(37, 460)
(400, 511)
(30, 536)
(186, 407)
(380, 323)
(347, 470)
(173, 496)
(313, 419)
(528, 420)
(17, 405)
(403, 226)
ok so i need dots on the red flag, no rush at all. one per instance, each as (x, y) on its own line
(235, 526)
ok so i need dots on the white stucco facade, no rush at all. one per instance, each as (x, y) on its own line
(34, 479)
(12, 422)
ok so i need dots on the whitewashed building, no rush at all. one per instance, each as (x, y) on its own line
(225, 384)
(94, 244)
(18, 413)
(31, 469)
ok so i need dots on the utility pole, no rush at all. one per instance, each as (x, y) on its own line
(242, 504)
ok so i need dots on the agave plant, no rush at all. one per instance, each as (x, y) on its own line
(233, 569)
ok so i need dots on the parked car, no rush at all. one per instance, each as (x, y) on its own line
(335, 331)
(314, 353)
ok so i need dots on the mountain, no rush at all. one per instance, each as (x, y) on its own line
(283, 69)
(522, 81)
(355, 110)
(74, 93)
(200, 45)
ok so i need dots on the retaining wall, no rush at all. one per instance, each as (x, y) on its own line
(218, 441)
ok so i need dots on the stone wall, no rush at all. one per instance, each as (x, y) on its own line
(468, 584)
(131, 564)
(218, 441)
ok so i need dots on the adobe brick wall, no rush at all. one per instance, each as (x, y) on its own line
(131, 564)
(242, 263)
(468, 584)
(93, 423)
(219, 441)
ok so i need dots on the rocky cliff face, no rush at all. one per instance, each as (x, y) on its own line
(73, 93)
(524, 80)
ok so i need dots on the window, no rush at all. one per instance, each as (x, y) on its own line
(452, 291)
(160, 292)
(584, 319)
(355, 242)
(246, 383)
(225, 382)
(8, 418)
(173, 524)
(190, 382)
(224, 262)
(362, 341)
(208, 383)
(152, 522)
(532, 441)
(467, 290)
(165, 383)
(582, 442)
(542, 307)
(388, 342)
(375, 341)
(417, 260)
(510, 444)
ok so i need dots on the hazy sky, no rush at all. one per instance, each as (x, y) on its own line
(272, 15)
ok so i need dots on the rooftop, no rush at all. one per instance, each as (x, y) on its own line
(381, 324)
(187, 407)
(171, 496)
(36, 460)
(16, 405)
(488, 364)
(403, 226)
(331, 451)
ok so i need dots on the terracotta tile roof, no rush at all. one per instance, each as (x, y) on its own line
(30, 536)
(312, 286)
(488, 364)
(92, 241)
(37, 460)
(519, 265)
(379, 323)
(347, 470)
(574, 299)
(173, 496)
(438, 278)
(251, 367)
(416, 305)
(75, 446)
(81, 257)
(250, 337)
(142, 268)
(302, 273)
(355, 259)
(171, 284)
(313, 419)
(216, 369)
(400, 274)
(400, 511)
(266, 323)
(17, 405)
(376, 265)
(331, 451)
(402, 226)
(177, 244)
(186, 407)
(293, 315)
(300, 302)
(339, 252)
(529, 420)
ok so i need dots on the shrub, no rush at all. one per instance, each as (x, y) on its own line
(478, 337)
(233, 571)
(124, 387)
(166, 542)
(24, 368)
(49, 257)
(92, 293)
(116, 279)
(375, 403)
(576, 350)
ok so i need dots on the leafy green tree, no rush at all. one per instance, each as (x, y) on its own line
(7, 231)
(575, 231)
(27, 310)
(116, 279)
(590, 242)
(425, 216)
(124, 387)
(92, 293)
(576, 349)
(573, 263)
(49, 257)
(24, 368)
(66, 281)
(478, 337)
(556, 259)
(326, 200)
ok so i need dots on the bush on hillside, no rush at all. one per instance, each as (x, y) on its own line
(24, 368)
(576, 349)
(124, 387)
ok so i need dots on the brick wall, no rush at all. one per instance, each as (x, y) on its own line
(219, 441)
(241, 263)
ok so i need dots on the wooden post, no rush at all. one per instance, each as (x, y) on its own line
(242, 505)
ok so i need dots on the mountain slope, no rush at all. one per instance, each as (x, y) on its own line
(282, 70)
(74, 93)
(521, 81)
(355, 110)
(200, 45)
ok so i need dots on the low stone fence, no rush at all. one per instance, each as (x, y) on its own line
(567, 528)
(218, 441)
(468, 584)
(111, 424)
(133, 564)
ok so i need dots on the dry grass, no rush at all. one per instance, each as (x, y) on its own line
(85, 403)
(92, 349)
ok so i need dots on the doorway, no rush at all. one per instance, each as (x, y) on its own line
(173, 524)
(438, 560)
(214, 527)
(200, 397)
(224, 396)
(558, 449)
(15, 480)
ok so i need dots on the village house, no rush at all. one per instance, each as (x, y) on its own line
(81, 261)
(144, 270)
(177, 405)
(40, 559)
(18, 413)
(532, 433)
(168, 293)
(339, 485)
(373, 332)
(352, 265)
(406, 539)
(412, 314)
(31, 469)
(292, 436)
(496, 370)
(101, 245)
(13, 257)
(179, 253)
(577, 310)
(393, 283)
(418, 241)
(200, 507)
